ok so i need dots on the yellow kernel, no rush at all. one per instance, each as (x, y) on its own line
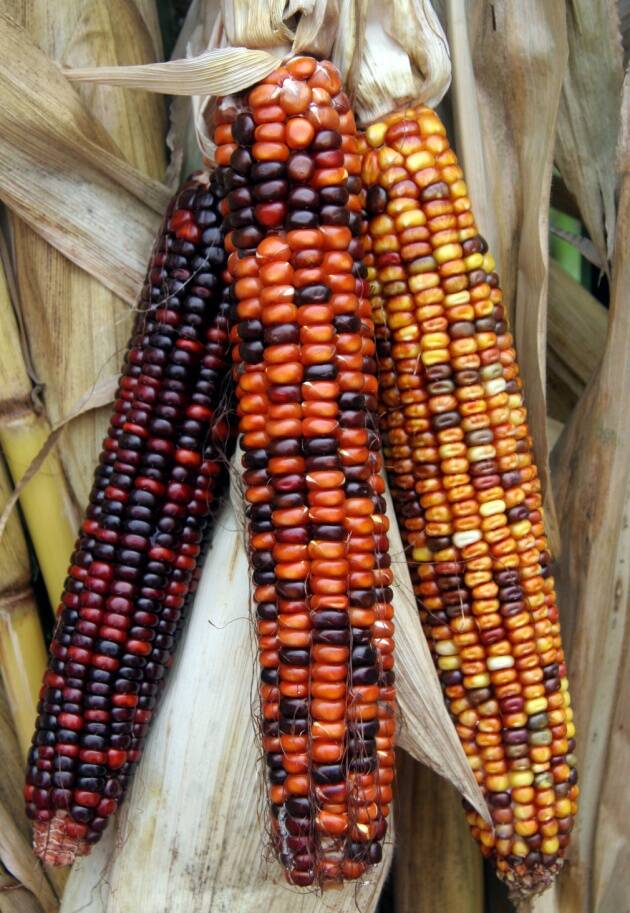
(375, 133)
(457, 298)
(459, 189)
(418, 160)
(421, 554)
(447, 252)
(411, 218)
(537, 705)
(519, 778)
(562, 808)
(422, 281)
(550, 846)
(381, 225)
(523, 812)
(388, 156)
(449, 663)
(520, 848)
(473, 261)
(481, 680)
(434, 341)
(498, 784)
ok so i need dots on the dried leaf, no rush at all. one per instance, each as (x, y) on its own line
(438, 865)
(101, 394)
(220, 71)
(259, 25)
(576, 326)
(518, 64)
(592, 480)
(57, 171)
(588, 117)
(405, 58)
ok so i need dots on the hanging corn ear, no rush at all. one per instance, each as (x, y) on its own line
(459, 459)
(305, 368)
(138, 548)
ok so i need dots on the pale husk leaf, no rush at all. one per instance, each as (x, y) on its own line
(60, 172)
(192, 835)
(405, 59)
(77, 327)
(22, 650)
(594, 579)
(24, 428)
(220, 71)
(588, 117)
(437, 865)
(258, 25)
(576, 327)
(518, 64)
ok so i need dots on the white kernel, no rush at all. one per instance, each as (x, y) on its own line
(494, 386)
(445, 648)
(491, 508)
(467, 537)
(500, 662)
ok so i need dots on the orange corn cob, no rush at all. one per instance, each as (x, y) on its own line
(460, 464)
(305, 370)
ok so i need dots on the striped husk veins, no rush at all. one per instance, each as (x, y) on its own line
(307, 396)
(135, 562)
(460, 464)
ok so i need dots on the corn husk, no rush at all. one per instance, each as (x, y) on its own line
(588, 118)
(518, 64)
(124, 132)
(16, 858)
(576, 337)
(593, 501)
(437, 864)
(24, 430)
(22, 650)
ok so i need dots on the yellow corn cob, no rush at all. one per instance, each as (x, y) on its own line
(460, 464)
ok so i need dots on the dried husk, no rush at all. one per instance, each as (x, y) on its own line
(576, 336)
(16, 856)
(592, 482)
(437, 864)
(588, 118)
(77, 328)
(24, 429)
(22, 649)
(518, 64)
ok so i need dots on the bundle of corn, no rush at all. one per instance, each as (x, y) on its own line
(481, 567)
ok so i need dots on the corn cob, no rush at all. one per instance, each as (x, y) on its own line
(459, 459)
(139, 544)
(304, 357)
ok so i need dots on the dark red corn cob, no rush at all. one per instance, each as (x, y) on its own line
(138, 551)
(304, 355)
